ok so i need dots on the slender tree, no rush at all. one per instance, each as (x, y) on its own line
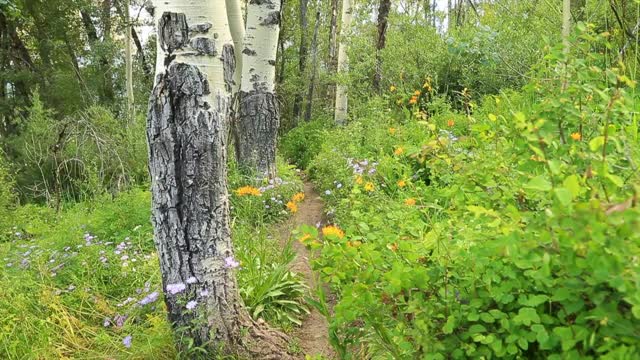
(256, 128)
(383, 23)
(332, 63)
(566, 24)
(343, 64)
(186, 131)
(128, 62)
(314, 67)
(302, 56)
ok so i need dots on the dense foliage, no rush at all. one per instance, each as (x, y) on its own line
(511, 232)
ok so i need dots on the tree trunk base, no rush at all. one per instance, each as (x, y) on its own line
(264, 343)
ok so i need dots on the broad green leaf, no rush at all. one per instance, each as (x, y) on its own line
(596, 143)
(572, 183)
(564, 196)
(538, 183)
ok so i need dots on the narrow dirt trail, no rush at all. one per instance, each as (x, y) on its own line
(313, 334)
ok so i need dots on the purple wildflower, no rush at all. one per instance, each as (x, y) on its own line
(120, 319)
(176, 288)
(106, 322)
(192, 280)
(204, 293)
(127, 341)
(230, 262)
(149, 298)
(191, 305)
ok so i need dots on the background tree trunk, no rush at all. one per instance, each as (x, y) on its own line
(332, 63)
(343, 64)
(566, 24)
(314, 67)
(128, 63)
(383, 22)
(256, 128)
(302, 58)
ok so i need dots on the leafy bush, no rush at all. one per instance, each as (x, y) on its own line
(7, 198)
(303, 142)
(508, 233)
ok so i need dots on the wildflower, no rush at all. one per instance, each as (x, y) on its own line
(192, 280)
(119, 320)
(191, 305)
(392, 88)
(398, 151)
(204, 293)
(369, 186)
(106, 322)
(176, 288)
(127, 341)
(576, 136)
(401, 183)
(451, 123)
(413, 100)
(410, 201)
(332, 230)
(304, 238)
(248, 190)
(149, 298)
(417, 93)
(292, 206)
(359, 180)
(328, 192)
(392, 131)
(339, 185)
(230, 262)
(298, 197)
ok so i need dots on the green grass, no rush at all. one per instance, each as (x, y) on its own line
(63, 276)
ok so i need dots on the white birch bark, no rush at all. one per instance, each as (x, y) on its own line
(187, 127)
(128, 64)
(236, 24)
(566, 24)
(257, 125)
(343, 64)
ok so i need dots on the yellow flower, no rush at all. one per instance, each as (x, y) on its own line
(399, 151)
(292, 206)
(369, 186)
(248, 190)
(298, 197)
(392, 88)
(392, 131)
(410, 201)
(359, 180)
(414, 100)
(417, 93)
(576, 136)
(402, 183)
(332, 230)
(304, 238)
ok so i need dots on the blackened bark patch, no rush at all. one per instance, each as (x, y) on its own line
(272, 19)
(201, 28)
(190, 208)
(249, 52)
(256, 131)
(229, 65)
(204, 46)
(173, 31)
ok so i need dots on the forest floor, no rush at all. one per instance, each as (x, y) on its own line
(313, 335)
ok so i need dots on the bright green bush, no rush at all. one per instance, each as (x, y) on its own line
(7, 197)
(510, 233)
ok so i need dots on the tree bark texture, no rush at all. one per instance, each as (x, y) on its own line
(256, 127)
(314, 67)
(343, 64)
(383, 24)
(332, 64)
(302, 57)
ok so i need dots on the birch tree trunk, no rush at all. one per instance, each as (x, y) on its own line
(314, 67)
(333, 46)
(343, 64)
(302, 58)
(236, 24)
(256, 128)
(566, 24)
(383, 22)
(186, 132)
(128, 63)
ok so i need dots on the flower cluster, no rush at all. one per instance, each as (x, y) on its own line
(362, 167)
(332, 230)
(248, 191)
(293, 204)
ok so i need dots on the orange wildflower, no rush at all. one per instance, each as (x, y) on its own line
(398, 151)
(248, 190)
(292, 206)
(332, 230)
(451, 123)
(413, 100)
(402, 183)
(392, 131)
(359, 180)
(417, 93)
(410, 201)
(576, 136)
(298, 197)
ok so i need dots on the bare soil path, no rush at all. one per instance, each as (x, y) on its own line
(313, 335)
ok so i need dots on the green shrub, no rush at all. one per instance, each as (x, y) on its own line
(7, 197)
(303, 142)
